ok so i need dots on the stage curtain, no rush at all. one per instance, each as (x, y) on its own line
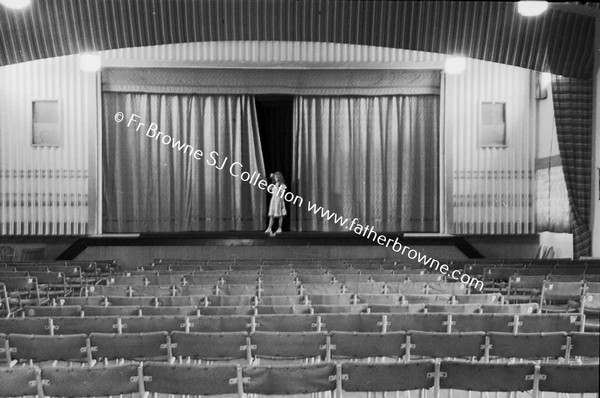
(151, 187)
(373, 158)
(573, 116)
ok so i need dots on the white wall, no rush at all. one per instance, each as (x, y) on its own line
(488, 191)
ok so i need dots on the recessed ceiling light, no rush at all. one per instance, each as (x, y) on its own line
(455, 65)
(15, 4)
(89, 62)
(531, 8)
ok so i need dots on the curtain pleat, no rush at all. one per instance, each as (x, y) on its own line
(373, 158)
(573, 112)
(152, 187)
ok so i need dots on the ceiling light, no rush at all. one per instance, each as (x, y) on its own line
(531, 8)
(455, 65)
(89, 62)
(15, 4)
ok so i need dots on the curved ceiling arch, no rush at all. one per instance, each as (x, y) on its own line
(556, 42)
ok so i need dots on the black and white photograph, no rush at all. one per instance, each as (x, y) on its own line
(299, 198)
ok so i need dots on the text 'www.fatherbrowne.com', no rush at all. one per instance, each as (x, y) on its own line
(252, 177)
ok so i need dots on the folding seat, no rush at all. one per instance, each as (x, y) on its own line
(196, 290)
(308, 279)
(24, 325)
(185, 267)
(153, 291)
(18, 381)
(423, 322)
(228, 310)
(128, 280)
(279, 290)
(151, 323)
(22, 290)
(523, 308)
(385, 299)
(179, 301)
(96, 381)
(173, 310)
(340, 308)
(282, 309)
(277, 279)
(495, 280)
(112, 290)
(217, 324)
(569, 378)
(452, 288)
(202, 279)
(288, 345)
(130, 346)
(351, 322)
(406, 288)
(397, 308)
(210, 346)
(453, 308)
(429, 278)
(355, 345)
(313, 289)
(478, 376)
(51, 284)
(87, 325)
(289, 379)
(70, 271)
(390, 278)
(39, 348)
(365, 288)
(549, 323)
(585, 344)
(376, 377)
(445, 345)
(527, 345)
(287, 323)
(283, 300)
(560, 297)
(189, 379)
(241, 279)
(91, 310)
(268, 269)
(237, 290)
(168, 280)
(118, 301)
(91, 300)
(524, 288)
(562, 278)
(427, 298)
(330, 299)
(591, 308)
(247, 300)
(352, 278)
(46, 311)
(484, 299)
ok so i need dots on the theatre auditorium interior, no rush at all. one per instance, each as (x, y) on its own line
(307, 198)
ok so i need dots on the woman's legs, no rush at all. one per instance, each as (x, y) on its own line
(268, 230)
(280, 225)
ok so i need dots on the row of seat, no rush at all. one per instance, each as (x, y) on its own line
(380, 323)
(191, 310)
(260, 346)
(191, 379)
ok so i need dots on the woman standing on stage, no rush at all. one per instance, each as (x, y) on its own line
(277, 204)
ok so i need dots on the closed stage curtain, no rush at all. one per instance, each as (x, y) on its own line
(152, 187)
(573, 112)
(373, 158)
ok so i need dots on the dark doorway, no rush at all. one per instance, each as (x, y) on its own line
(275, 123)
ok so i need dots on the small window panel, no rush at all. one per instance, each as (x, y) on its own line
(46, 124)
(493, 124)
